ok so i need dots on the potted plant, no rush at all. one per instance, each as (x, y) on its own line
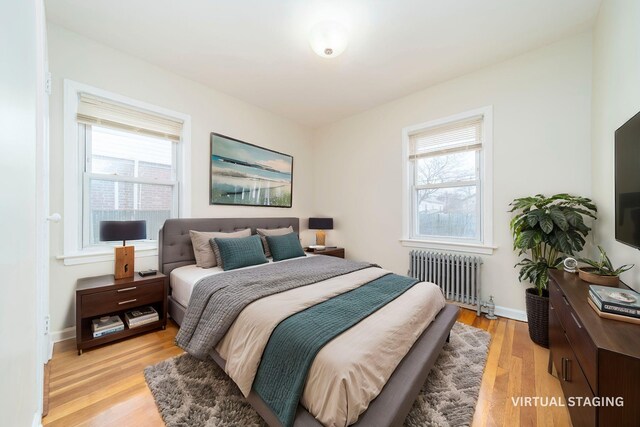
(544, 228)
(601, 272)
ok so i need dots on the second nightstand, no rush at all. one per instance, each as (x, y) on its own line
(103, 295)
(336, 252)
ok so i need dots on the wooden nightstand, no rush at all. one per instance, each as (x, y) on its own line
(336, 252)
(103, 295)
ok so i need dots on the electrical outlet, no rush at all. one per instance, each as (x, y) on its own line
(47, 321)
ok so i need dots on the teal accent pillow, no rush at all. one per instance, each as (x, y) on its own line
(285, 246)
(240, 252)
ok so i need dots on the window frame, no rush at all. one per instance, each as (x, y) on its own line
(484, 189)
(74, 176)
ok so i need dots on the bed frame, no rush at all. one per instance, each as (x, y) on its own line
(393, 403)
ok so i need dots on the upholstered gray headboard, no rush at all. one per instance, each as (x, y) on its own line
(174, 243)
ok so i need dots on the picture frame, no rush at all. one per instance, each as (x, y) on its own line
(244, 174)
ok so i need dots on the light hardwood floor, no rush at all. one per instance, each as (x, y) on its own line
(106, 387)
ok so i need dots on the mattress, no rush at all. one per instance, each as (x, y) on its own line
(183, 279)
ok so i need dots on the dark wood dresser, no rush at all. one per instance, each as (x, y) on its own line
(594, 357)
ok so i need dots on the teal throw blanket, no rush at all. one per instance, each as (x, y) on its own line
(294, 343)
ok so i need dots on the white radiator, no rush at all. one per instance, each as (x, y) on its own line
(457, 275)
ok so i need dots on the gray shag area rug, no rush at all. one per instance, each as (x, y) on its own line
(190, 392)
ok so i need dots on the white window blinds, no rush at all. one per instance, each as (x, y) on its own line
(458, 136)
(94, 110)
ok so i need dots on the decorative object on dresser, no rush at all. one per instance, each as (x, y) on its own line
(320, 224)
(542, 229)
(245, 174)
(624, 304)
(101, 296)
(125, 255)
(327, 250)
(594, 357)
(601, 272)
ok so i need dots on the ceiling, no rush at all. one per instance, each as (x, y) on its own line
(258, 50)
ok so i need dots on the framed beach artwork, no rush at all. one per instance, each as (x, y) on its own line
(247, 175)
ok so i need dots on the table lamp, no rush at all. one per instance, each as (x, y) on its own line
(320, 224)
(125, 255)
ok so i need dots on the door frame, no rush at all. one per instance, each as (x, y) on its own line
(43, 341)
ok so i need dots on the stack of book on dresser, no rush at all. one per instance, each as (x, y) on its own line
(615, 303)
(106, 325)
(141, 316)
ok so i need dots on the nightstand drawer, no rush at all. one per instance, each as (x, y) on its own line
(121, 299)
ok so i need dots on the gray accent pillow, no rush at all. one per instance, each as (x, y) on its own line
(264, 232)
(202, 248)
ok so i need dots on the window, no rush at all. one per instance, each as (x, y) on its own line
(124, 160)
(447, 182)
(127, 176)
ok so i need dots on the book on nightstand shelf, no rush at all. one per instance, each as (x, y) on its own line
(106, 325)
(618, 301)
(141, 316)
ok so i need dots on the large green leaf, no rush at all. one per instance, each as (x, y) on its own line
(558, 218)
(562, 240)
(528, 239)
(546, 223)
(573, 217)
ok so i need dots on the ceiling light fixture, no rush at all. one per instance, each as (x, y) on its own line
(328, 39)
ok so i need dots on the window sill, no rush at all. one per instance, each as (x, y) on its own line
(475, 248)
(104, 254)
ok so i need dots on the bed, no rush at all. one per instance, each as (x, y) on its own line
(396, 397)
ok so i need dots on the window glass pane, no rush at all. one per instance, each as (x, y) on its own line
(124, 201)
(128, 154)
(459, 166)
(448, 212)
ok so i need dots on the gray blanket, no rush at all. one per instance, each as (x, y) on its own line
(217, 300)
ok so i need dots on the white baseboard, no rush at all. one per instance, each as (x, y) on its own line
(37, 420)
(65, 334)
(511, 313)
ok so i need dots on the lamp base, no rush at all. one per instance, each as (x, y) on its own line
(320, 237)
(125, 257)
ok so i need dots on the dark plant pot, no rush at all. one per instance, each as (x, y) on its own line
(538, 316)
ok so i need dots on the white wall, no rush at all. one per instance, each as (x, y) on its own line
(541, 106)
(18, 386)
(616, 98)
(78, 58)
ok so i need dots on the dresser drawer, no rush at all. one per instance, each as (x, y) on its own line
(581, 344)
(121, 299)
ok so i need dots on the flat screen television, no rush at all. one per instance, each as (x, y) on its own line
(627, 182)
